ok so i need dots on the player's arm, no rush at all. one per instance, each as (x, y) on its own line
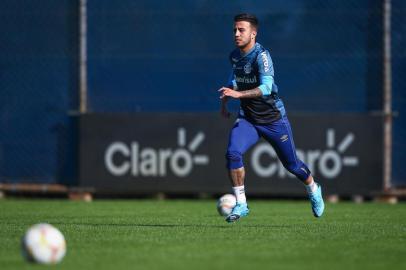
(264, 89)
(266, 74)
(228, 92)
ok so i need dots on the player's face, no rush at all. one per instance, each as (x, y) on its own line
(244, 34)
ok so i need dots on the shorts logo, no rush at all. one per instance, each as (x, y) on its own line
(284, 138)
(247, 68)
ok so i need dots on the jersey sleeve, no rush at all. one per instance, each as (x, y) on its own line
(266, 73)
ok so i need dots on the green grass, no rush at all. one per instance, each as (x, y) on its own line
(187, 234)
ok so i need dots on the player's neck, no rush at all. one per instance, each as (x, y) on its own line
(248, 47)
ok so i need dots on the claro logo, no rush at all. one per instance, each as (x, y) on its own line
(121, 159)
(327, 163)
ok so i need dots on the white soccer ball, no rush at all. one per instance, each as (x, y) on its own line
(226, 204)
(43, 243)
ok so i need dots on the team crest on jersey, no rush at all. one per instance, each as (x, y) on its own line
(247, 68)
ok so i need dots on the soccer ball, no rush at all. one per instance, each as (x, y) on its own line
(226, 204)
(43, 243)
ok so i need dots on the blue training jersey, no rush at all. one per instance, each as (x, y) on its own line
(255, 70)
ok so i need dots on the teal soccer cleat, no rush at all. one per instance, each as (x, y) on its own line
(317, 202)
(240, 210)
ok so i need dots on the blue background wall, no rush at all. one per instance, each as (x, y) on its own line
(38, 85)
(326, 53)
(173, 56)
(399, 91)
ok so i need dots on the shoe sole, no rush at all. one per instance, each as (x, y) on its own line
(317, 216)
(232, 218)
(235, 217)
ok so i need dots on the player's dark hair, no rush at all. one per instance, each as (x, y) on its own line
(247, 18)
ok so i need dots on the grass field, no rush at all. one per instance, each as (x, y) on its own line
(187, 234)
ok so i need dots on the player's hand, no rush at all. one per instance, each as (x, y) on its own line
(228, 92)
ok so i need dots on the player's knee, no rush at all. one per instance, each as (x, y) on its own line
(234, 160)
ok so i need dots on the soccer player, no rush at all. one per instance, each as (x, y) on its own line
(262, 114)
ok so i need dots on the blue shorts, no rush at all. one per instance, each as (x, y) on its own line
(244, 134)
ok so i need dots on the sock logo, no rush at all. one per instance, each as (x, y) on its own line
(152, 162)
(328, 162)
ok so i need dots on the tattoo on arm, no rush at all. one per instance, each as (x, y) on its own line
(253, 93)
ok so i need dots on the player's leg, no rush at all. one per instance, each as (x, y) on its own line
(279, 134)
(242, 136)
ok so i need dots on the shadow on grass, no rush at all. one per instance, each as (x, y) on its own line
(143, 225)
